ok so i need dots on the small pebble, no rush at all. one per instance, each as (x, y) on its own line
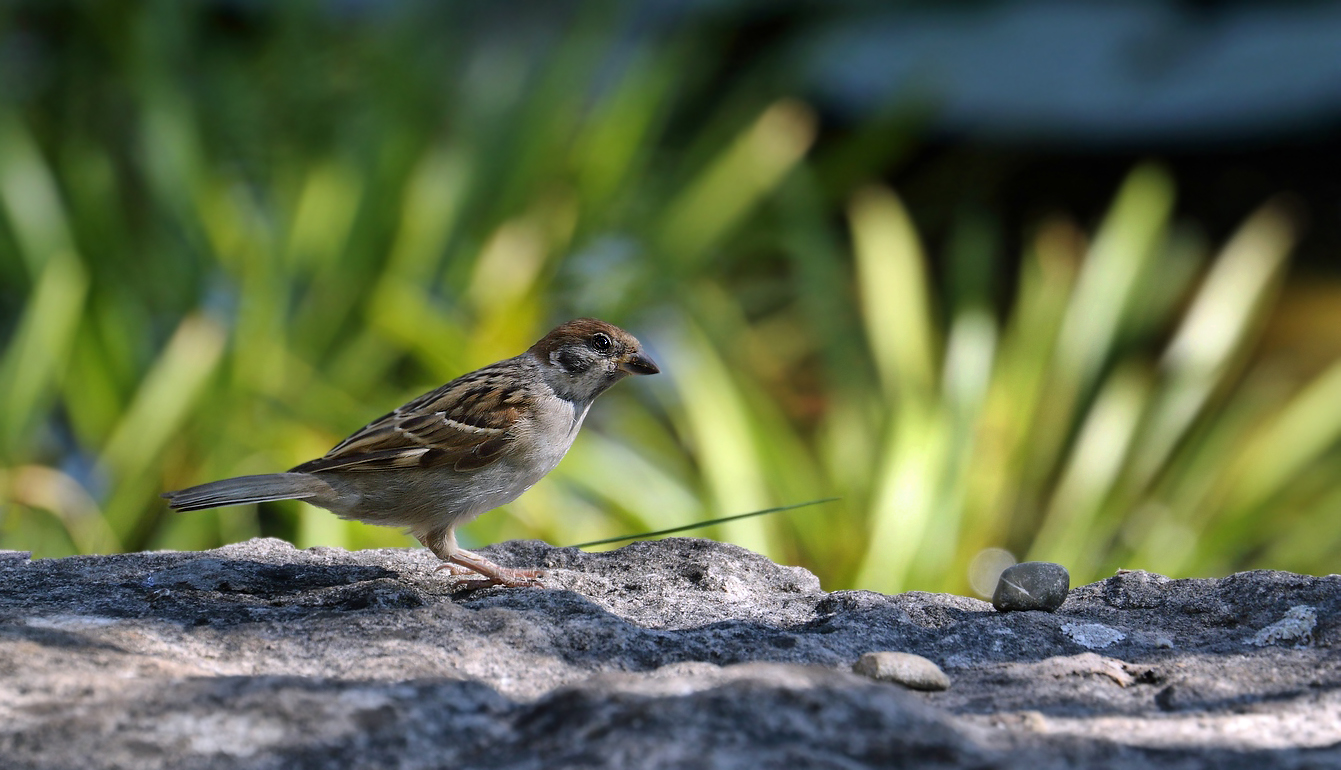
(905, 668)
(1032, 585)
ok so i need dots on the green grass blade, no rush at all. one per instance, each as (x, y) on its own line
(894, 292)
(1217, 331)
(37, 355)
(708, 208)
(168, 394)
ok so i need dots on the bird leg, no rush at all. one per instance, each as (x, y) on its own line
(470, 570)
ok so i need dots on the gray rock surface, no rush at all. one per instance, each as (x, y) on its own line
(674, 654)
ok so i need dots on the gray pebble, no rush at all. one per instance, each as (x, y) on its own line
(1032, 585)
(902, 668)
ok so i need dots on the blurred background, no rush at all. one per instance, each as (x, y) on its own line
(1014, 280)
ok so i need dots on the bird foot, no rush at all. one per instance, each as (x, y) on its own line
(469, 571)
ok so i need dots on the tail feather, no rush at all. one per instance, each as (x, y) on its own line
(247, 489)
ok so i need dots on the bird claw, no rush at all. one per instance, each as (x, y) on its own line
(487, 575)
(456, 570)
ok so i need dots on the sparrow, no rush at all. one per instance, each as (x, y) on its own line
(448, 456)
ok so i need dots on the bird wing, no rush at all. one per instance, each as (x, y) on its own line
(467, 424)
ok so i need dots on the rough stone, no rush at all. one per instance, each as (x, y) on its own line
(1297, 626)
(1032, 585)
(673, 654)
(905, 668)
(1092, 635)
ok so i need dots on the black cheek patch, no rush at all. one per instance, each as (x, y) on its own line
(571, 361)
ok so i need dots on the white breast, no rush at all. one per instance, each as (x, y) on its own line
(543, 440)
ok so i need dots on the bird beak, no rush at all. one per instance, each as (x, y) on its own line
(637, 363)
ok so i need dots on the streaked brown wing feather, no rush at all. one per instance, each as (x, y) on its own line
(467, 423)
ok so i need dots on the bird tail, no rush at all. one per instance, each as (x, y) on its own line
(247, 489)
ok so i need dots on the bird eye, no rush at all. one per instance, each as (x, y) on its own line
(602, 342)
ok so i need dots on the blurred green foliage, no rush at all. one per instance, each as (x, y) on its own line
(232, 233)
